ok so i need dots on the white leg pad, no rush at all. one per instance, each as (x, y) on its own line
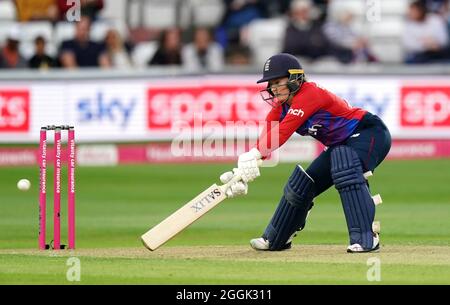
(367, 174)
(376, 227)
(377, 199)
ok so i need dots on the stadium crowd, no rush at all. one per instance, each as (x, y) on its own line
(312, 31)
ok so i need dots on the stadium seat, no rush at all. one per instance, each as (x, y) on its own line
(388, 27)
(26, 49)
(328, 63)
(51, 49)
(5, 28)
(7, 10)
(63, 31)
(357, 7)
(143, 52)
(396, 8)
(159, 14)
(388, 50)
(387, 8)
(134, 12)
(207, 12)
(30, 30)
(114, 10)
(265, 38)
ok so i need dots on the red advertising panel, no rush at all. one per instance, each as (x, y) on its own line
(419, 149)
(194, 105)
(14, 110)
(425, 106)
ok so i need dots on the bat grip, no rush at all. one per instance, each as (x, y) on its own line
(237, 177)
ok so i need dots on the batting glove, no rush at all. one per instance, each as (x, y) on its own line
(237, 188)
(248, 165)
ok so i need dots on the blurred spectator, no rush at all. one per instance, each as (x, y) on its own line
(10, 57)
(444, 9)
(281, 7)
(238, 55)
(117, 53)
(40, 59)
(322, 9)
(80, 52)
(425, 38)
(276, 8)
(434, 6)
(305, 37)
(89, 8)
(169, 48)
(31, 10)
(445, 13)
(339, 31)
(239, 13)
(203, 54)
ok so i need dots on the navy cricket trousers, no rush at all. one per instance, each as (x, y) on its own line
(371, 140)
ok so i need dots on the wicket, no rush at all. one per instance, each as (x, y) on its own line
(57, 186)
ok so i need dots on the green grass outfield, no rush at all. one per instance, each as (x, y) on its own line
(116, 205)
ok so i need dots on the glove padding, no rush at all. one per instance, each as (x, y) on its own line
(237, 188)
(248, 165)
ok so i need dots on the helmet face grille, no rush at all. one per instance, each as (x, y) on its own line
(294, 83)
(268, 97)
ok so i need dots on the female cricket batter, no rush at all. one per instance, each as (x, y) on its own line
(356, 140)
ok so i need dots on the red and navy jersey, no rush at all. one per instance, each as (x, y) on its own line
(314, 111)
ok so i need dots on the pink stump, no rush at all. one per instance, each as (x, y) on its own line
(57, 192)
(42, 186)
(71, 186)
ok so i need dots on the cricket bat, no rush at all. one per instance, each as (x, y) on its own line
(187, 214)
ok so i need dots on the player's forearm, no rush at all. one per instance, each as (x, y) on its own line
(277, 135)
(271, 141)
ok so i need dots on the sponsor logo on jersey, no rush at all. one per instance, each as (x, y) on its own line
(297, 112)
(312, 131)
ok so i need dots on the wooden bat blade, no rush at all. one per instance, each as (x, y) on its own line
(183, 217)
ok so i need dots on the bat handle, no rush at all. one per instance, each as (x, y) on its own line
(236, 178)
